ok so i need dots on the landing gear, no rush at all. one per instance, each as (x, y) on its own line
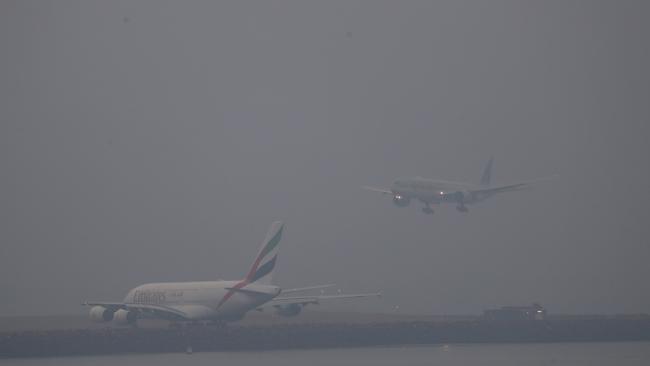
(462, 208)
(427, 207)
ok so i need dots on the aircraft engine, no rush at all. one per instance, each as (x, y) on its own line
(100, 314)
(401, 201)
(289, 310)
(124, 317)
(464, 197)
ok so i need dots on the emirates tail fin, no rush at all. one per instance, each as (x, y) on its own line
(262, 269)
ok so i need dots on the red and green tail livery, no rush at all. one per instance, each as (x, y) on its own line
(262, 269)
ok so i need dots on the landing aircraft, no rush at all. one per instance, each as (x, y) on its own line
(434, 191)
(215, 302)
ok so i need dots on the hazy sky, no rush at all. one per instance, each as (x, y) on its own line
(156, 141)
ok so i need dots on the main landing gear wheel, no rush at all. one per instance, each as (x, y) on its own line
(462, 208)
(427, 210)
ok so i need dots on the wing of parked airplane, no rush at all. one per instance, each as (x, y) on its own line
(107, 305)
(158, 311)
(303, 289)
(316, 299)
(292, 305)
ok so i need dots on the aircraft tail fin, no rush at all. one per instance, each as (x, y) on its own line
(487, 173)
(262, 269)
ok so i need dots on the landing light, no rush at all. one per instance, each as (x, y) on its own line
(442, 193)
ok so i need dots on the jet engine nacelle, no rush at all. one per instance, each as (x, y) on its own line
(289, 310)
(124, 317)
(100, 314)
(401, 201)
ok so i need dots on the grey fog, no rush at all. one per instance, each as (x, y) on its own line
(147, 141)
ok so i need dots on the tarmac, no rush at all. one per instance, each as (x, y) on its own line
(61, 336)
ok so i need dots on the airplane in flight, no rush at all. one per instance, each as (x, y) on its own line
(434, 191)
(215, 302)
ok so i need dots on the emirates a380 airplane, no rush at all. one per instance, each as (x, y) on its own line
(212, 301)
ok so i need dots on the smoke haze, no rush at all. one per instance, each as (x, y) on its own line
(156, 141)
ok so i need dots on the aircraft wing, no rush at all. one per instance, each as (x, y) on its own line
(500, 189)
(108, 305)
(302, 289)
(157, 311)
(379, 190)
(512, 187)
(316, 299)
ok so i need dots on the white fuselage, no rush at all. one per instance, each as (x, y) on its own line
(204, 300)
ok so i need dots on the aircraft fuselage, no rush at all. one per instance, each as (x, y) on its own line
(204, 300)
(433, 192)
